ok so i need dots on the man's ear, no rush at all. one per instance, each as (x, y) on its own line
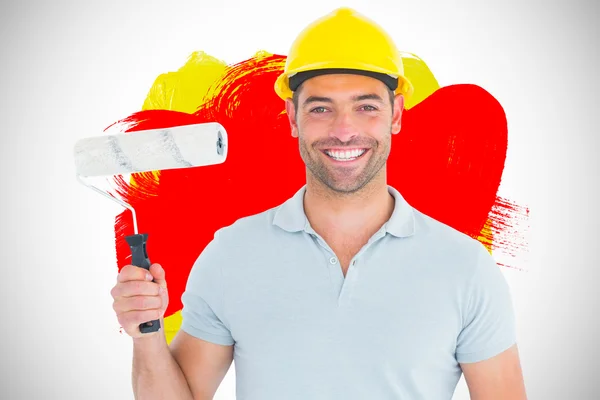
(397, 113)
(291, 112)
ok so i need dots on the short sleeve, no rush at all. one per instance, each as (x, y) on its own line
(489, 322)
(202, 299)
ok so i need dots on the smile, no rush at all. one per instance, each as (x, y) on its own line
(345, 155)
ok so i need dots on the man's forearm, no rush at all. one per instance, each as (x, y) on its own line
(155, 373)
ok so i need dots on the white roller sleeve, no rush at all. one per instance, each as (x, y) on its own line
(150, 150)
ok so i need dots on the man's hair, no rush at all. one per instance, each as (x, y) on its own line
(296, 95)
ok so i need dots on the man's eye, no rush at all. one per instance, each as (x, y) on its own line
(318, 110)
(368, 108)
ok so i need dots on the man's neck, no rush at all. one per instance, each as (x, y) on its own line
(362, 212)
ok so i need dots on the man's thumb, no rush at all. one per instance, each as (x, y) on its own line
(158, 273)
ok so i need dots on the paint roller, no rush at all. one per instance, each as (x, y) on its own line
(178, 147)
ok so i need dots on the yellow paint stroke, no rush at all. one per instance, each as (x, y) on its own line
(202, 76)
(188, 88)
(420, 76)
(486, 235)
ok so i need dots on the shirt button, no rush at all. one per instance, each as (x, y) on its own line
(333, 260)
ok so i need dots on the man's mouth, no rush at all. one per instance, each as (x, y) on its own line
(345, 155)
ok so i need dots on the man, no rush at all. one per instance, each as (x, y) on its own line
(344, 291)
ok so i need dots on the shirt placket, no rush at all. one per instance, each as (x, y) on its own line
(343, 287)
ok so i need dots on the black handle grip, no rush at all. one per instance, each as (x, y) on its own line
(139, 258)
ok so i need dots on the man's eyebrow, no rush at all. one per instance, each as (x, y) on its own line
(370, 96)
(315, 99)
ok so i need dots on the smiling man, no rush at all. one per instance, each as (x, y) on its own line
(345, 291)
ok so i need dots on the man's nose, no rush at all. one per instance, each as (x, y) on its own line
(343, 127)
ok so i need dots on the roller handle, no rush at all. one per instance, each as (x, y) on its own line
(139, 258)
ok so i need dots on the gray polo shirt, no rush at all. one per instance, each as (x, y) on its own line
(418, 299)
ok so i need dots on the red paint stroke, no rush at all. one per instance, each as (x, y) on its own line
(509, 225)
(447, 161)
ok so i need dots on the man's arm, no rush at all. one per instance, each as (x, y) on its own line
(486, 347)
(204, 364)
(188, 369)
(195, 363)
(497, 378)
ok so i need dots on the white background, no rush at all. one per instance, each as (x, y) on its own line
(69, 69)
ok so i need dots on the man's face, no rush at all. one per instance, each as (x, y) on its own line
(344, 125)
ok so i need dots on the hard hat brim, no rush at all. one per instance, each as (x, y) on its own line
(294, 81)
(284, 91)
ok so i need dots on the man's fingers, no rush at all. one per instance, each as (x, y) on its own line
(135, 288)
(132, 319)
(137, 303)
(134, 273)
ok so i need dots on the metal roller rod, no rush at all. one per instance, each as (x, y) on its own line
(121, 202)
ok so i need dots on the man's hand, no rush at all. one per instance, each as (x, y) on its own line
(137, 299)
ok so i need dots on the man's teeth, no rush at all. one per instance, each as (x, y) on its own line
(345, 155)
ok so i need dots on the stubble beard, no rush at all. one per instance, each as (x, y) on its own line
(345, 185)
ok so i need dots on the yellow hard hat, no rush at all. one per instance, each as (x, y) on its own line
(343, 41)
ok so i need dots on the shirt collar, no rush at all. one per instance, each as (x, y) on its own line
(290, 215)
